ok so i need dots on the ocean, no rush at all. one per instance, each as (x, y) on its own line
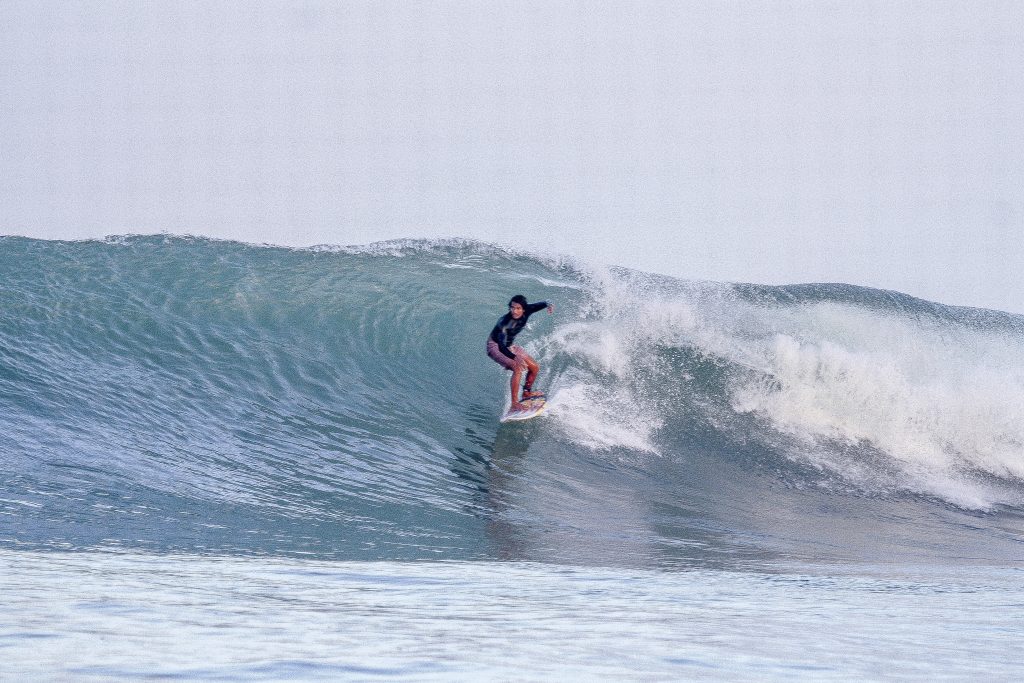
(225, 461)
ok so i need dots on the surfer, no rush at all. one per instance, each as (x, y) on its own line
(512, 356)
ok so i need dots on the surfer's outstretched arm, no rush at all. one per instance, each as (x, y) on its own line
(539, 306)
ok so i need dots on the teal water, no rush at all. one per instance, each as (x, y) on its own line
(230, 461)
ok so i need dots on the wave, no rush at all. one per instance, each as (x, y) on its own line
(171, 378)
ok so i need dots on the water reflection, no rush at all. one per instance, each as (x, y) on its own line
(506, 534)
(547, 501)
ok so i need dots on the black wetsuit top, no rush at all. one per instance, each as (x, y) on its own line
(504, 333)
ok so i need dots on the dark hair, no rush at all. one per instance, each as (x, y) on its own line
(517, 299)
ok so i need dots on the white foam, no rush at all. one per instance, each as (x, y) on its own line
(602, 419)
(941, 404)
(944, 404)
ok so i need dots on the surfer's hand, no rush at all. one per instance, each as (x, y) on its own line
(551, 309)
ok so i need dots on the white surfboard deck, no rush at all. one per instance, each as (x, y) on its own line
(535, 407)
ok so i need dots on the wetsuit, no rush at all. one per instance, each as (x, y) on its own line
(508, 327)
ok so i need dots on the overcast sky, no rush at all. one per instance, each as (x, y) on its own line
(876, 143)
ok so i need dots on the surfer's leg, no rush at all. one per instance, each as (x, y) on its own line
(532, 368)
(517, 376)
(516, 365)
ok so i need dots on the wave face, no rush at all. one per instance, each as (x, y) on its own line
(209, 396)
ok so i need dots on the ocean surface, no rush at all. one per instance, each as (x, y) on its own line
(233, 462)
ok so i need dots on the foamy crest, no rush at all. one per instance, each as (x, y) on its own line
(945, 406)
(596, 404)
(605, 349)
(600, 418)
(885, 396)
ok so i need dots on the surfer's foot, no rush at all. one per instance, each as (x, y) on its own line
(517, 406)
(533, 394)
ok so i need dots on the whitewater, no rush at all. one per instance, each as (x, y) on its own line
(235, 462)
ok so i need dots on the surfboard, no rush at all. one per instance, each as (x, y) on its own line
(534, 407)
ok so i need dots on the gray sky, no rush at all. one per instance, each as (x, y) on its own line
(876, 143)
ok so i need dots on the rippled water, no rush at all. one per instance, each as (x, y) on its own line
(113, 616)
